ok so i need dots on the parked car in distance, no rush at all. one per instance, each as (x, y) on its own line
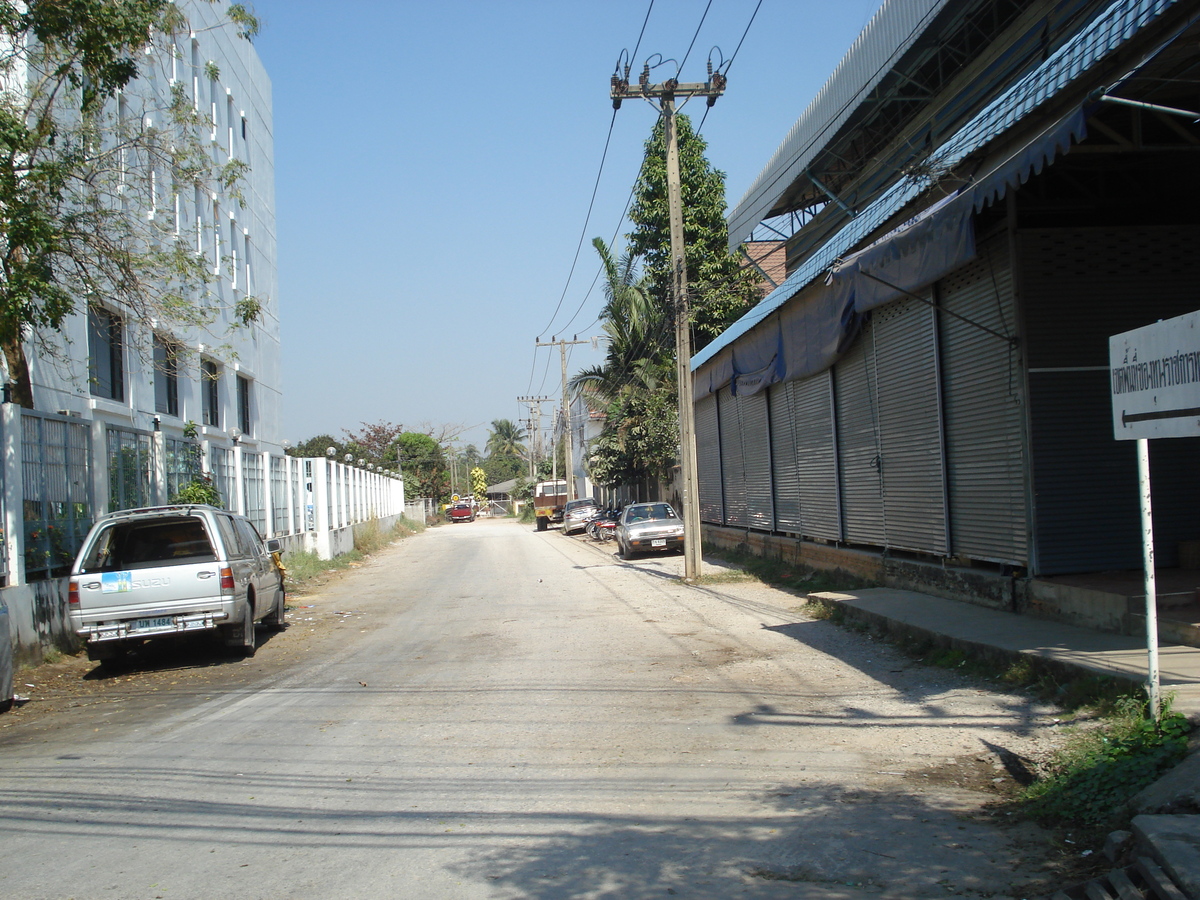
(145, 574)
(462, 511)
(649, 527)
(576, 514)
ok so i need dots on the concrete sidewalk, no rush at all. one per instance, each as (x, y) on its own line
(1051, 644)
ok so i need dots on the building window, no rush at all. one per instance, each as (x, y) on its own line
(210, 383)
(166, 376)
(106, 370)
(243, 395)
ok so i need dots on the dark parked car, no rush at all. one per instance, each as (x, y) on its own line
(649, 527)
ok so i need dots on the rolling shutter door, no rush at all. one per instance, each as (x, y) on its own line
(733, 471)
(816, 456)
(910, 427)
(1087, 502)
(756, 460)
(708, 461)
(857, 443)
(981, 390)
(1078, 286)
(785, 473)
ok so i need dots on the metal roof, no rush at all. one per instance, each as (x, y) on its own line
(892, 30)
(1106, 32)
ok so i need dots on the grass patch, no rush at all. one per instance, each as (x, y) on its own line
(527, 515)
(1088, 785)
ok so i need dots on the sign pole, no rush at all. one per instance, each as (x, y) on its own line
(1152, 679)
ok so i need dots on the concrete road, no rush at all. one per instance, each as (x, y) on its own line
(484, 711)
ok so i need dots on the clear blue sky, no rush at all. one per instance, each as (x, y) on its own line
(434, 163)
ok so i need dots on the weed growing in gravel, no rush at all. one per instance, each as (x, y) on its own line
(1091, 781)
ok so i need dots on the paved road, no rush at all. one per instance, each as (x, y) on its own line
(483, 711)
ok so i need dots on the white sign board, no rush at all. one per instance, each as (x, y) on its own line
(1155, 379)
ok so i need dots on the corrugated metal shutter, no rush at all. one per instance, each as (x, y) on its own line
(1078, 286)
(733, 470)
(784, 470)
(981, 392)
(708, 461)
(756, 460)
(910, 426)
(858, 444)
(816, 456)
(1087, 504)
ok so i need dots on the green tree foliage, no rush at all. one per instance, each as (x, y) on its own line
(317, 446)
(73, 216)
(424, 466)
(635, 385)
(720, 289)
(640, 438)
(506, 439)
(502, 468)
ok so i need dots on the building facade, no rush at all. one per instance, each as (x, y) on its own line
(128, 408)
(982, 193)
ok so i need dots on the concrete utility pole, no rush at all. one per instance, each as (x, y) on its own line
(666, 92)
(566, 410)
(535, 430)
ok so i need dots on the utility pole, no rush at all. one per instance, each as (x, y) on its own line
(665, 93)
(535, 431)
(566, 409)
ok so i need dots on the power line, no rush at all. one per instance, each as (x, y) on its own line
(726, 66)
(586, 220)
(694, 37)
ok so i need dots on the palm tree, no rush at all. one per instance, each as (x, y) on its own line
(634, 386)
(505, 439)
(639, 353)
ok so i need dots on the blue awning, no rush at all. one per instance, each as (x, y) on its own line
(775, 341)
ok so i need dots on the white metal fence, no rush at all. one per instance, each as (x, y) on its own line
(58, 473)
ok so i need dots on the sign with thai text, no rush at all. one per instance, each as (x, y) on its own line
(1155, 379)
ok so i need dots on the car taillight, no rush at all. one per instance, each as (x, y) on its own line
(227, 579)
(73, 593)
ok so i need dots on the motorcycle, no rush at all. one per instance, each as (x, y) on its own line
(603, 527)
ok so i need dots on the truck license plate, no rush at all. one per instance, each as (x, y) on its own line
(658, 542)
(150, 624)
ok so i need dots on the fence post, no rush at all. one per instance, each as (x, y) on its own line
(12, 506)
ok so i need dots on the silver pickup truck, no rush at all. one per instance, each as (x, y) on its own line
(144, 574)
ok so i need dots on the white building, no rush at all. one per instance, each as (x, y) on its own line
(127, 408)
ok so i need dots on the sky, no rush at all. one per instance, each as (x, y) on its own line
(435, 164)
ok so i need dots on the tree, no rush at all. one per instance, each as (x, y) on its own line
(635, 385)
(719, 287)
(640, 343)
(318, 446)
(375, 443)
(479, 483)
(78, 177)
(505, 439)
(423, 465)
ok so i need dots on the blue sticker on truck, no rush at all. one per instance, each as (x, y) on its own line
(116, 582)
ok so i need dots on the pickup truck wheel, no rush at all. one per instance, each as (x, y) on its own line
(276, 619)
(240, 638)
(625, 552)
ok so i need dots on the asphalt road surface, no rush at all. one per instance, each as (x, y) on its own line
(485, 711)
